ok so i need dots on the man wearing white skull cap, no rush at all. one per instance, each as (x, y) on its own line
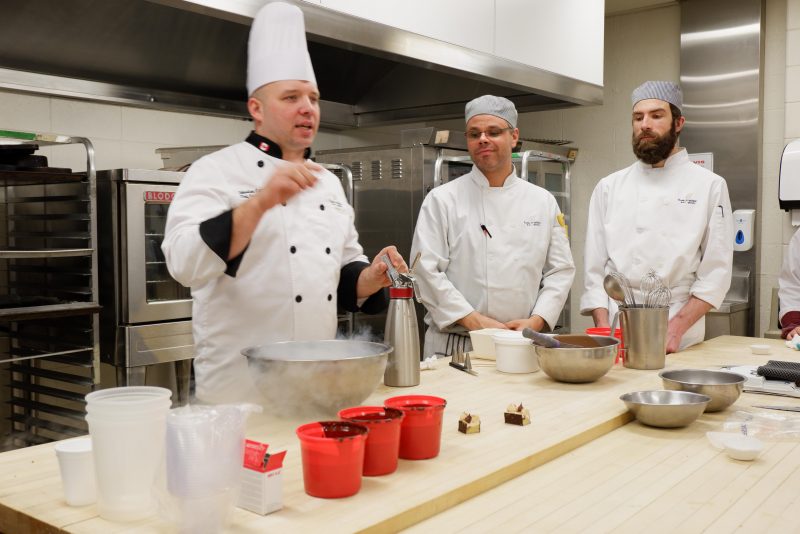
(262, 235)
(495, 252)
(663, 213)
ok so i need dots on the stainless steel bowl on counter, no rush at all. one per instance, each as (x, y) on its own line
(581, 364)
(316, 377)
(723, 387)
(665, 409)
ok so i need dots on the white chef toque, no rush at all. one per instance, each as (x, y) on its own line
(277, 48)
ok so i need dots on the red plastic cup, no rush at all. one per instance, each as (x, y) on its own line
(603, 331)
(383, 440)
(421, 431)
(333, 457)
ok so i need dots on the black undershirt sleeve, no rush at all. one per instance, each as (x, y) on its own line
(216, 232)
(346, 292)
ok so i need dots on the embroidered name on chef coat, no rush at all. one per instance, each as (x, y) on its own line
(531, 222)
(688, 201)
(247, 193)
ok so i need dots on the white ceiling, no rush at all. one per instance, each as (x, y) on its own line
(615, 7)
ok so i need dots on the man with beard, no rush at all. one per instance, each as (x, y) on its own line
(663, 213)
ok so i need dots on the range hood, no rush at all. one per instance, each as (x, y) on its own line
(191, 56)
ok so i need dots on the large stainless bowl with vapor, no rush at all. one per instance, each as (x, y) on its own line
(723, 387)
(665, 408)
(316, 377)
(584, 364)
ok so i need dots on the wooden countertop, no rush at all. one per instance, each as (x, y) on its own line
(564, 417)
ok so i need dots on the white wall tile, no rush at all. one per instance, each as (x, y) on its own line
(792, 125)
(140, 155)
(773, 128)
(86, 119)
(775, 17)
(775, 91)
(793, 84)
(27, 113)
(793, 14)
(793, 47)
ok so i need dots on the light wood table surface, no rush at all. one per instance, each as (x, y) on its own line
(565, 417)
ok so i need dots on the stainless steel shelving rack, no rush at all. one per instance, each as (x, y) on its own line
(49, 338)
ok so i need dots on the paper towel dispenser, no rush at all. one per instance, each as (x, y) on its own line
(789, 177)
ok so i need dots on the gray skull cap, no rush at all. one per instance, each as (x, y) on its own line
(666, 91)
(492, 105)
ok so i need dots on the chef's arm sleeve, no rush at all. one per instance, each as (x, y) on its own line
(191, 260)
(346, 292)
(595, 256)
(789, 284)
(441, 298)
(714, 272)
(558, 273)
(216, 232)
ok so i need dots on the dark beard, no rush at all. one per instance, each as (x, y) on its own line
(652, 152)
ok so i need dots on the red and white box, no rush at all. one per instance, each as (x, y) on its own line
(262, 480)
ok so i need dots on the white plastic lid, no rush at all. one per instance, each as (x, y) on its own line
(510, 337)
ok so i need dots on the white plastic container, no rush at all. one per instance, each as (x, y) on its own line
(127, 426)
(77, 470)
(514, 353)
(482, 342)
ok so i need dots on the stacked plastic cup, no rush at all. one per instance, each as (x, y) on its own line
(205, 447)
(127, 427)
(77, 470)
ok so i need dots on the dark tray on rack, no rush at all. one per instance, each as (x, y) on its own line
(21, 313)
(47, 175)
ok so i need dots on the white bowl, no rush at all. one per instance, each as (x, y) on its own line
(514, 353)
(482, 342)
(760, 349)
(737, 446)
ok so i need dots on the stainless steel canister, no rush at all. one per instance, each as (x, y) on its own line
(644, 334)
(402, 367)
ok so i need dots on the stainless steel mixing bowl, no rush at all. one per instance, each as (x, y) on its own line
(723, 387)
(665, 409)
(316, 377)
(579, 364)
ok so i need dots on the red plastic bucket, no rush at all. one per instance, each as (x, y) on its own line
(421, 432)
(383, 440)
(333, 457)
(606, 331)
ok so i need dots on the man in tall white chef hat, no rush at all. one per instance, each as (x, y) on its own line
(663, 213)
(495, 252)
(263, 236)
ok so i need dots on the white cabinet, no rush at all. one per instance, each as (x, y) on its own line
(564, 37)
(467, 23)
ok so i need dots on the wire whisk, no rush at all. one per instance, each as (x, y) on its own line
(650, 282)
(660, 297)
(622, 280)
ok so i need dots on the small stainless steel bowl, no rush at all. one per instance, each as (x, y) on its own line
(316, 377)
(723, 387)
(666, 409)
(579, 364)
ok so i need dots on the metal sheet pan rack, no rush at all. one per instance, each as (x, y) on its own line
(49, 338)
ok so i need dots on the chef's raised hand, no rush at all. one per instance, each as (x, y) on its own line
(374, 277)
(286, 182)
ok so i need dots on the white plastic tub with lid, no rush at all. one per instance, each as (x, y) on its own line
(514, 353)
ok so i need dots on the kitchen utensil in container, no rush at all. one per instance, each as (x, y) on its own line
(421, 431)
(76, 465)
(650, 282)
(127, 426)
(659, 297)
(204, 451)
(333, 457)
(514, 353)
(383, 440)
(614, 289)
(543, 340)
(644, 333)
(620, 281)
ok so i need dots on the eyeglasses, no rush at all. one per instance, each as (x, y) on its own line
(491, 133)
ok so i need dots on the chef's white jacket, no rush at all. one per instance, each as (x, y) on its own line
(676, 220)
(285, 285)
(524, 268)
(789, 280)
